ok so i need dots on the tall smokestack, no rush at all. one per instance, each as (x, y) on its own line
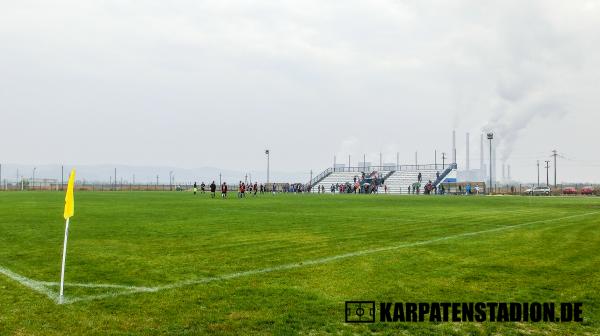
(467, 165)
(509, 178)
(503, 171)
(453, 146)
(494, 166)
(481, 165)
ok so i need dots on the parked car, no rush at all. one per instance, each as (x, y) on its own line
(538, 191)
(587, 190)
(569, 191)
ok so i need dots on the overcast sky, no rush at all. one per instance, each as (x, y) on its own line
(214, 83)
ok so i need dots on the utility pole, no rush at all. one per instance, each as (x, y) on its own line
(538, 170)
(348, 162)
(443, 160)
(171, 180)
(416, 159)
(490, 136)
(380, 161)
(156, 182)
(115, 179)
(435, 158)
(554, 153)
(32, 186)
(334, 162)
(547, 169)
(220, 183)
(62, 177)
(397, 160)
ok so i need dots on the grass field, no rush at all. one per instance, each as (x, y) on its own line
(170, 263)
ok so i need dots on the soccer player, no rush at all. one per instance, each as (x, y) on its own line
(255, 188)
(224, 190)
(213, 189)
(195, 188)
(202, 187)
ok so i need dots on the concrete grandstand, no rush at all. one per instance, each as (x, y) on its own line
(396, 178)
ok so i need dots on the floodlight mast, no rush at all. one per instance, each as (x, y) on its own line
(490, 136)
(267, 152)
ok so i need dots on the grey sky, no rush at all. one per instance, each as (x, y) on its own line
(213, 83)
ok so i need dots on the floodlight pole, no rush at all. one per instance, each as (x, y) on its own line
(490, 136)
(268, 152)
(171, 180)
(32, 186)
(435, 158)
(443, 160)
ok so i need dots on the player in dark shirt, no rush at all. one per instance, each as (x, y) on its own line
(213, 189)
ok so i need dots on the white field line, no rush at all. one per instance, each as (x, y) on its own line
(317, 261)
(43, 286)
(94, 285)
(32, 284)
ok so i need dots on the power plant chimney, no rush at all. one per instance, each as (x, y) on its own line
(509, 178)
(467, 164)
(453, 146)
(494, 165)
(503, 171)
(481, 165)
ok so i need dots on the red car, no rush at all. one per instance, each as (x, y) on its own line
(587, 191)
(569, 191)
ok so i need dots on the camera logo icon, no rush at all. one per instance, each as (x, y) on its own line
(360, 311)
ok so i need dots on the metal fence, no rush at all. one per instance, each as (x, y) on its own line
(96, 186)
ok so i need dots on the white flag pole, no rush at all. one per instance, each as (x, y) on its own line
(64, 258)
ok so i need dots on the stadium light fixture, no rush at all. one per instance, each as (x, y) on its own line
(490, 136)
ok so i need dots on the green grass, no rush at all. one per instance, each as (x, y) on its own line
(154, 239)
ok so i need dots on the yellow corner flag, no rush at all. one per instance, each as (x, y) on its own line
(69, 212)
(69, 199)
